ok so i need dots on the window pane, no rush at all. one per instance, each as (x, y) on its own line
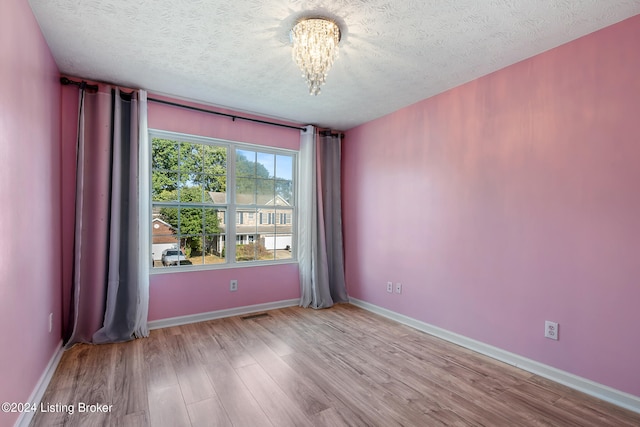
(265, 167)
(284, 234)
(284, 167)
(164, 233)
(168, 215)
(162, 237)
(246, 217)
(191, 156)
(266, 192)
(198, 188)
(246, 225)
(246, 250)
(285, 253)
(164, 154)
(283, 218)
(215, 160)
(172, 256)
(268, 221)
(164, 186)
(269, 244)
(245, 163)
(245, 191)
(195, 257)
(222, 220)
(215, 189)
(284, 192)
(214, 251)
(191, 221)
(211, 221)
(191, 192)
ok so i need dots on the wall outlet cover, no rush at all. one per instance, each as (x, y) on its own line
(551, 330)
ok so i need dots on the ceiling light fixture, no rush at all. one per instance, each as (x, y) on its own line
(315, 47)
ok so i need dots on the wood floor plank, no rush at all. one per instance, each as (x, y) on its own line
(137, 419)
(296, 386)
(167, 408)
(192, 376)
(275, 343)
(159, 368)
(237, 401)
(231, 339)
(129, 385)
(280, 409)
(331, 417)
(335, 367)
(208, 413)
(370, 402)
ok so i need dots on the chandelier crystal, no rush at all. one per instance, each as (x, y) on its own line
(315, 47)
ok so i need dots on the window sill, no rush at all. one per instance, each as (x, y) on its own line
(213, 267)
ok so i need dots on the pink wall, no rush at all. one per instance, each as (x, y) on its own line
(512, 200)
(30, 196)
(180, 294)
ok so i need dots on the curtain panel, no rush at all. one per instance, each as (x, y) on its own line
(320, 245)
(109, 290)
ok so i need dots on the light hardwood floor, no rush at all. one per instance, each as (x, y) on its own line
(303, 367)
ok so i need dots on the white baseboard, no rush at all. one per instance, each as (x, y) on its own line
(36, 396)
(218, 314)
(584, 385)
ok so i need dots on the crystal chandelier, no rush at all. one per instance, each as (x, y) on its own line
(315, 47)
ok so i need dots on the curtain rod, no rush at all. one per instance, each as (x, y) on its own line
(66, 81)
(232, 116)
(331, 133)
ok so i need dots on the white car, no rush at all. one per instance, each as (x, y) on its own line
(173, 257)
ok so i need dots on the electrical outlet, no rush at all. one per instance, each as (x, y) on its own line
(398, 288)
(390, 287)
(50, 322)
(551, 330)
(233, 285)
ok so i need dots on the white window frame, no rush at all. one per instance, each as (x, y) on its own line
(231, 206)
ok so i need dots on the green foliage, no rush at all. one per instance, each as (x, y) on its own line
(180, 166)
(192, 223)
(186, 173)
(251, 251)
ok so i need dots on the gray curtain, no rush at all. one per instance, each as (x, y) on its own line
(324, 283)
(105, 291)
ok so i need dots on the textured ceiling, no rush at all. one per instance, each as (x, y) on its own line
(393, 53)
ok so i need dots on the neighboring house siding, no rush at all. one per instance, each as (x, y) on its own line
(163, 238)
(261, 224)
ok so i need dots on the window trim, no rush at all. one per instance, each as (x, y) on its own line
(231, 206)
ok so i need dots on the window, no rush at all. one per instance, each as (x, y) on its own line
(264, 186)
(197, 183)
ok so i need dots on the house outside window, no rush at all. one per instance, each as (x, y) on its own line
(197, 183)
